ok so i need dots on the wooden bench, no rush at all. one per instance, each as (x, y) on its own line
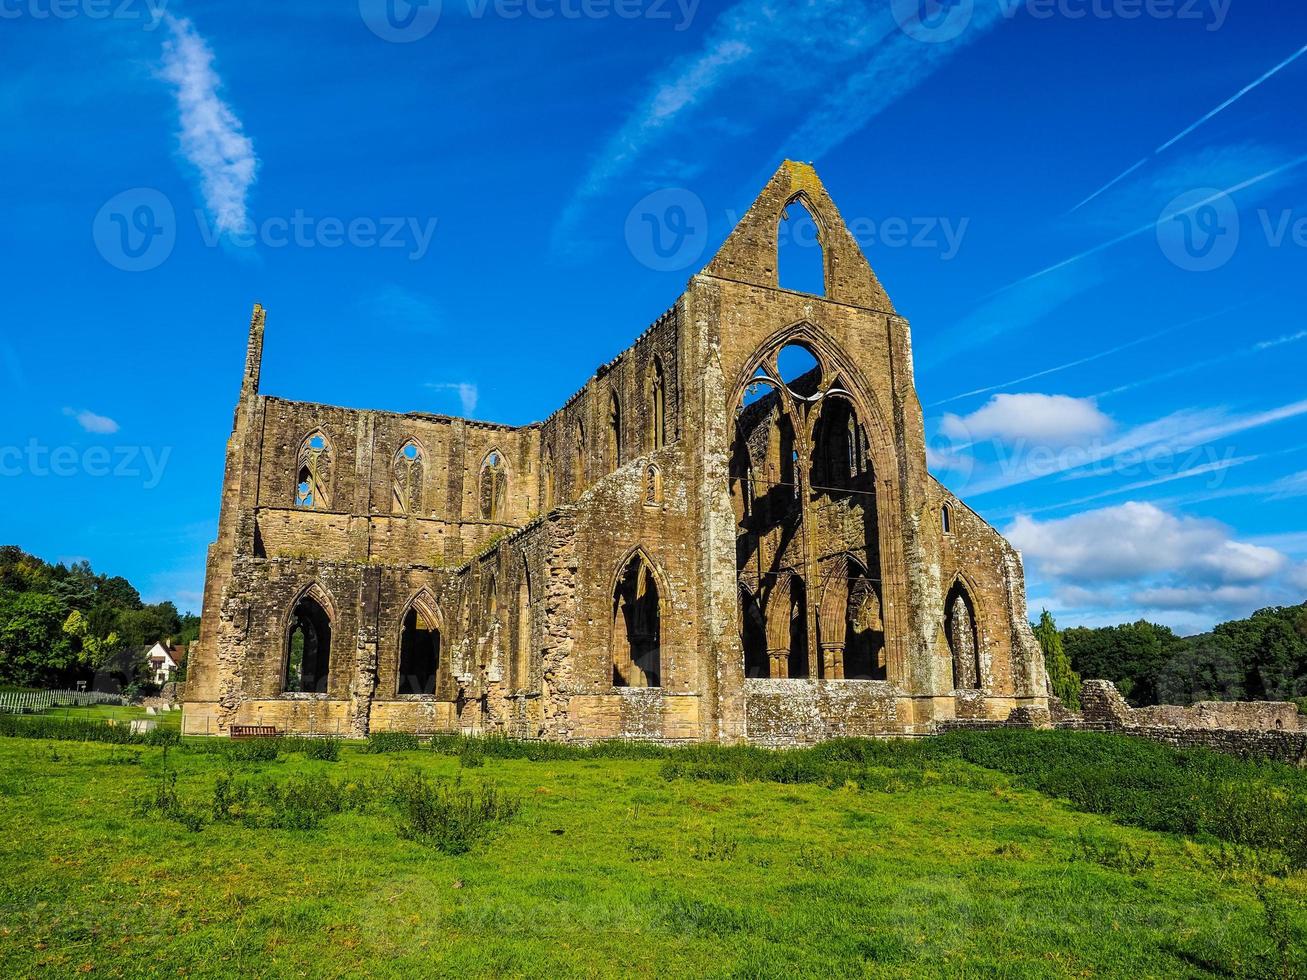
(254, 731)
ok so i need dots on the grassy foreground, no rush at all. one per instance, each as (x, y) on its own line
(868, 860)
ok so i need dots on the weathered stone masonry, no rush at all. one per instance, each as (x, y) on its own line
(701, 544)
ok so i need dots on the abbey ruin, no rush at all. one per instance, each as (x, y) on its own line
(701, 544)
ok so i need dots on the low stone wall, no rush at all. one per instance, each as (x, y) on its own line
(1250, 729)
(1279, 746)
(782, 712)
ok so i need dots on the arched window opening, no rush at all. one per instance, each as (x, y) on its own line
(493, 487)
(960, 627)
(799, 368)
(753, 635)
(522, 659)
(653, 486)
(946, 519)
(800, 258)
(798, 625)
(547, 490)
(419, 652)
(658, 407)
(637, 657)
(864, 637)
(313, 473)
(578, 462)
(839, 457)
(614, 447)
(407, 483)
(308, 648)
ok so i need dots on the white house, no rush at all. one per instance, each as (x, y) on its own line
(164, 660)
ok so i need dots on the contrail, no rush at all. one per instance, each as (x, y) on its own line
(1189, 129)
(1113, 350)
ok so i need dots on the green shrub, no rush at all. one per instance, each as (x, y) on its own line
(323, 749)
(381, 742)
(449, 816)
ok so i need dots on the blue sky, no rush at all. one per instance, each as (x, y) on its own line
(1094, 212)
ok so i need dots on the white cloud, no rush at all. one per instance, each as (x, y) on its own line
(1139, 561)
(212, 137)
(467, 394)
(1133, 541)
(1051, 420)
(88, 420)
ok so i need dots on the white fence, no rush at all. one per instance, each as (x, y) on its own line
(22, 702)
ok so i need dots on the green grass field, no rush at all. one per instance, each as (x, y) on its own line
(936, 866)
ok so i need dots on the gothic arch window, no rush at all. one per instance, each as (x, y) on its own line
(963, 638)
(658, 406)
(522, 658)
(313, 472)
(798, 626)
(419, 647)
(637, 626)
(800, 257)
(753, 635)
(407, 471)
(493, 487)
(839, 453)
(614, 445)
(308, 644)
(547, 481)
(578, 461)
(653, 486)
(946, 519)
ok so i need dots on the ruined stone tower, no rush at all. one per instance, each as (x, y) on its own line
(701, 544)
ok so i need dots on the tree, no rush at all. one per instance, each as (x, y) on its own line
(1064, 681)
(33, 650)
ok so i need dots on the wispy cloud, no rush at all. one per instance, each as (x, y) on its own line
(1221, 360)
(896, 66)
(211, 136)
(1194, 125)
(90, 422)
(1168, 436)
(1013, 309)
(853, 60)
(393, 307)
(1151, 225)
(466, 391)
